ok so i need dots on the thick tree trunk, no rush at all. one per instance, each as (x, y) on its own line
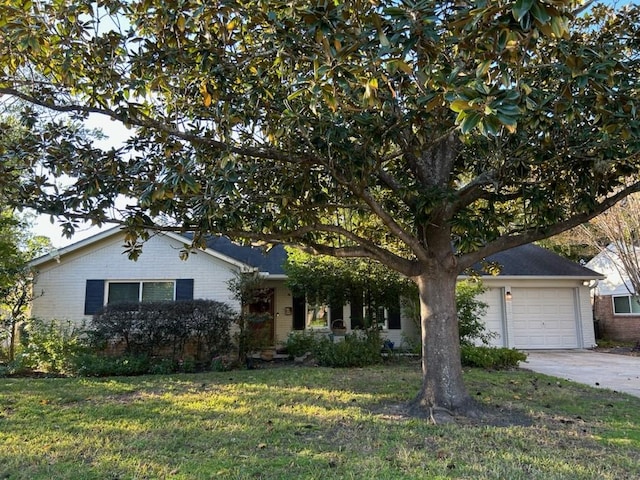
(443, 389)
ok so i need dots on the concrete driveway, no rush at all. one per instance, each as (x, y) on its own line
(604, 370)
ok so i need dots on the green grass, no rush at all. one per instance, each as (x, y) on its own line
(311, 423)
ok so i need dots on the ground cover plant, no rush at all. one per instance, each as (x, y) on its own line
(305, 422)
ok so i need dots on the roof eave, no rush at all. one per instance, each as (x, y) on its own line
(537, 277)
(56, 254)
(274, 276)
(244, 267)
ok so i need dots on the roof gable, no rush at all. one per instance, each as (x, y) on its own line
(95, 241)
(617, 281)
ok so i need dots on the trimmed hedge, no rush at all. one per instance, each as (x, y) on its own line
(199, 329)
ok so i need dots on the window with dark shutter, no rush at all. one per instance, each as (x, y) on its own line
(393, 318)
(335, 313)
(357, 308)
(299, 312)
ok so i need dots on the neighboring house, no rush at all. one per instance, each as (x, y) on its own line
(616, 308)
(539, 300)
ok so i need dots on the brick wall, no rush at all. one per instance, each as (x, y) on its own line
(621, 328)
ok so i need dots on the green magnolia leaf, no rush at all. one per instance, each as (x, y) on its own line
(539, 12)
(470, 121)
(521, 8)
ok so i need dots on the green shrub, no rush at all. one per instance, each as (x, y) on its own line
(358, 349)
(95, 365)
(164, 367)
(98, 365)
(49, 346)
(491, 357)
(221, 364)
(163, 329)
(470, 313)
(300, 342)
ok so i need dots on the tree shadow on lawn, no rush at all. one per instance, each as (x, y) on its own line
(286, 415)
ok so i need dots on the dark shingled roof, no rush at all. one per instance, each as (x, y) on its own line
(532, 260)
(526, 260)
(271, 261)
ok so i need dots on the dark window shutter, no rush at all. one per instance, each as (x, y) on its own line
(335, 312)
(356, 311)
(93, 296)
(394, 317)
(299, 313)
(184, 289)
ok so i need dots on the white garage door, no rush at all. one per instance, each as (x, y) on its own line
(543, 318)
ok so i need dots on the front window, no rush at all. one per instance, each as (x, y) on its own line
(123, 292)
(626, 305)
(377, 316)
(317, 316)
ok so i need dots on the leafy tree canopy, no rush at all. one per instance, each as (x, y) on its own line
(426, 135)
(335, 281)
(17, 247)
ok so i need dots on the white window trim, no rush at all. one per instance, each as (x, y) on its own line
(309, 309)
(613, 306)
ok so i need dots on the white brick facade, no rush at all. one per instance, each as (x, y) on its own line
(61, 285)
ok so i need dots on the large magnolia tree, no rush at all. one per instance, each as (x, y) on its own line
(425, 135)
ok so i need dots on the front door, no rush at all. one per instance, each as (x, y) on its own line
(265, 305)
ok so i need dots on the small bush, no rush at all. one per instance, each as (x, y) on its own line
(164, 367)
(221, 364)
(300, 342)
(471, 310)
(49, 346)
(491, 358)
(358, 349)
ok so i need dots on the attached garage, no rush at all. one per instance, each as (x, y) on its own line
(539, 301)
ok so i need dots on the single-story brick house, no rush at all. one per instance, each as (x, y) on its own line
(616, 308)
(539, 301)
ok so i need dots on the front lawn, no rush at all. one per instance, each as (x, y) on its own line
(311, 423)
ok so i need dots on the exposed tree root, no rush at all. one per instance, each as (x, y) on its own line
(439, 415)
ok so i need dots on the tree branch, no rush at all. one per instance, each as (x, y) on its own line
(145, 121)
(364, 248)
(531, 235)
